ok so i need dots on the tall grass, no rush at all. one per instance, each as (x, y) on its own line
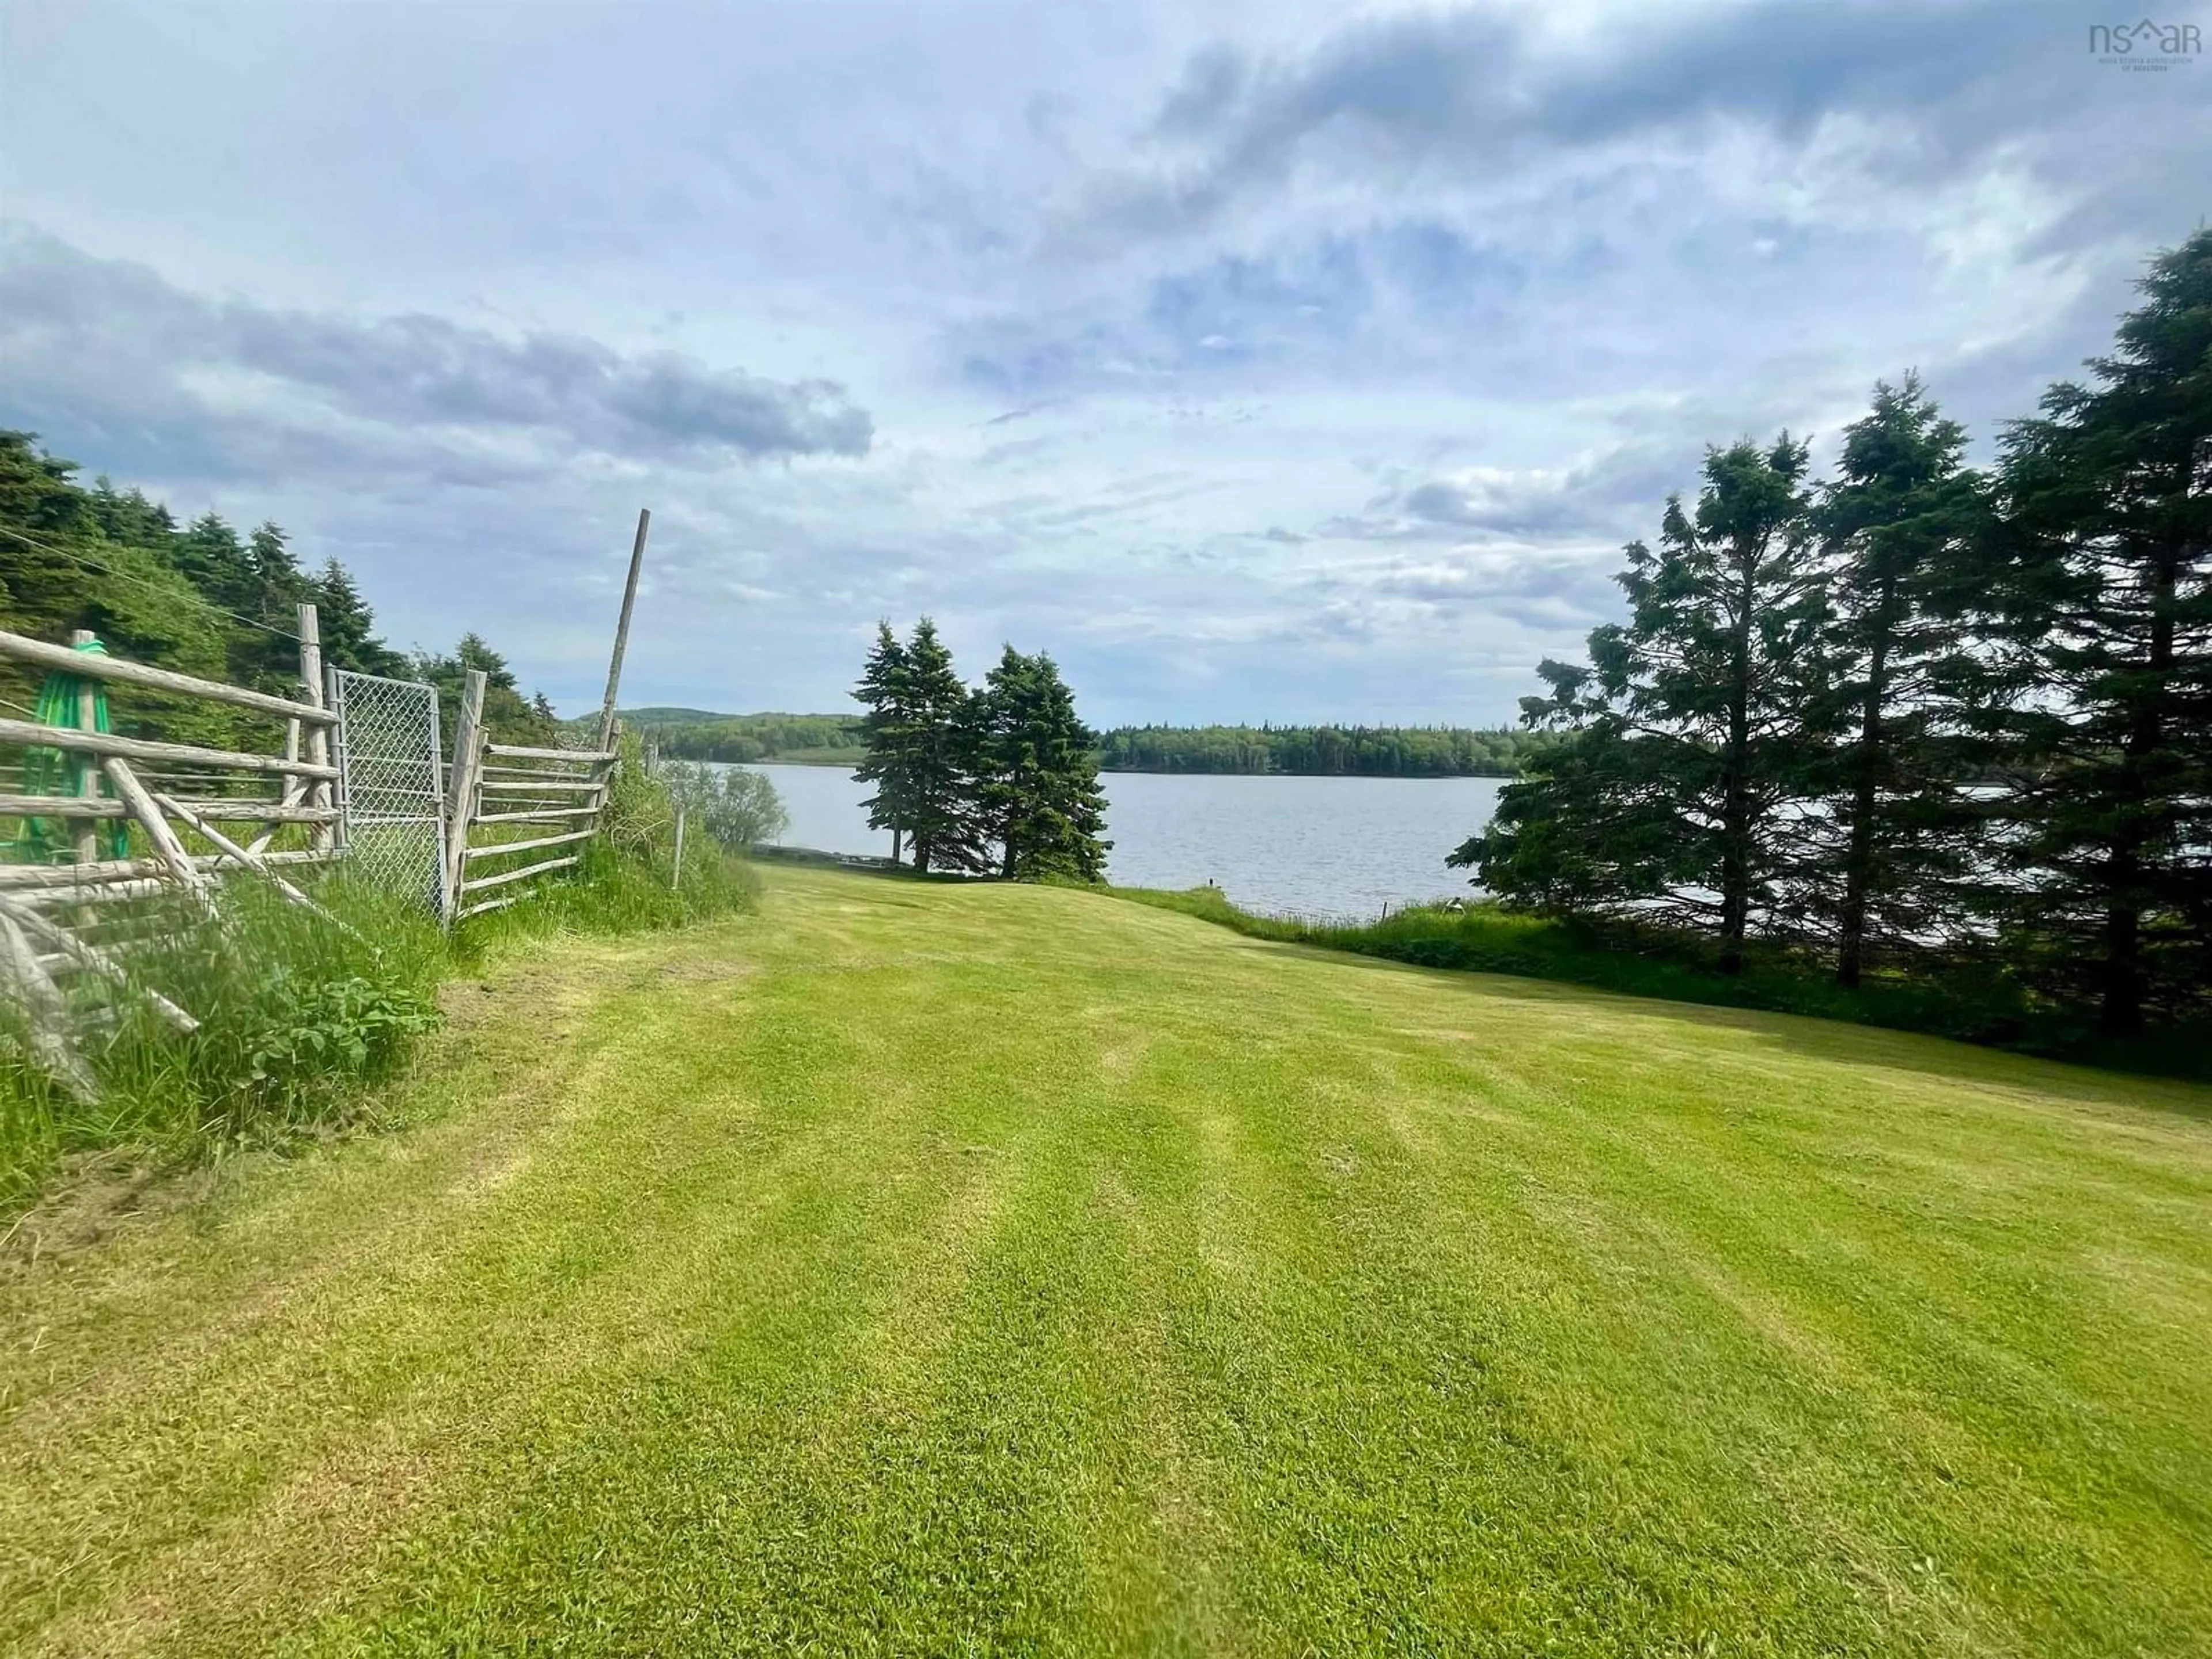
(300, 1018)
(1959, 998)
(296, 1016)
(629, 880)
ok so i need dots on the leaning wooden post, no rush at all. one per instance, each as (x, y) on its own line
(141, 802)
(90, 957)
(622, 633)
(88, 782)
(676, 871)
(245, 858)
(319, 735)
(45, 1012)
(461, 792)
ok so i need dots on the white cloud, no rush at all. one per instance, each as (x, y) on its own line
(1253, 360)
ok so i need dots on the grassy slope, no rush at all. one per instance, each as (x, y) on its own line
(937, 1269)
(1961, 1000)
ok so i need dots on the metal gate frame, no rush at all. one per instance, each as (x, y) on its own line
(390, 779)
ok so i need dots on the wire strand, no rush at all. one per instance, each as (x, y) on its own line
(123, 575)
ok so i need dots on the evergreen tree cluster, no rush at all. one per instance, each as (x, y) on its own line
(1924, 719)
(1001, 779)
(201, 599)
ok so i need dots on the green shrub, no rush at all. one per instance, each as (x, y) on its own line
(737, 807)
(625, 880)
(296, 1016)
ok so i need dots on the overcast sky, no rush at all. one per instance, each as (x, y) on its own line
(1272, 360)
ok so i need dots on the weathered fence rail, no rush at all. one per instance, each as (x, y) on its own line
(154, 785)
(497, 785)
(124, 821)
(72, 919)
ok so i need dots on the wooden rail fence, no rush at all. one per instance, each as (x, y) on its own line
(71, 920)
(500, 796)
(514, 815)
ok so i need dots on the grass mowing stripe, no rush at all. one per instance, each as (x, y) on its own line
(470, 1337)
(938, 1268)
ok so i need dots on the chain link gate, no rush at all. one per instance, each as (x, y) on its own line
(391, 795)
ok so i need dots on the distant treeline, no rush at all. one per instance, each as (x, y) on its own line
(1414, 751)
(1365, 751)
(697, 734)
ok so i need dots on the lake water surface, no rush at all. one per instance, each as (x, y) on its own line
(1336, 846)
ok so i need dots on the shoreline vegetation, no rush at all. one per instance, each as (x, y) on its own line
(1914, 717)
(1931, 999)
(1267, 750)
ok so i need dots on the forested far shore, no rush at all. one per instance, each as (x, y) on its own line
(1371, 751)
(1366, 752)
(697, 734)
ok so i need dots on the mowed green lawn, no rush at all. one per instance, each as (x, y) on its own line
(942, 1269)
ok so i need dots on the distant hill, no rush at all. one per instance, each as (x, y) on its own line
(679, 716)
(1381, 752)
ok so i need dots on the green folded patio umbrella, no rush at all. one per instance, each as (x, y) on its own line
(55, 772)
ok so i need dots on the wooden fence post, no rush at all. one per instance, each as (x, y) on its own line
(40, 905)
(461, 792)
(319, 736)
(87, 837)
(622, 632)
(676, 874)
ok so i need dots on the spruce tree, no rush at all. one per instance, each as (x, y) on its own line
(197, 600)
(1589, 828)
(940, 797)
(213, 560)
(2108, 582)
(1689, 740)
(508, 716)
(888, 732)
(276, 574)
(349, 627)
(1037, 773)
(269, 656)
(129, 517)
(1900, 524)
(260, 648)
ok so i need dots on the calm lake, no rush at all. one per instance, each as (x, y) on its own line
(1336, 846)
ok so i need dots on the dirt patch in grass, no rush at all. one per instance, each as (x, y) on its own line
(95, 1197)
